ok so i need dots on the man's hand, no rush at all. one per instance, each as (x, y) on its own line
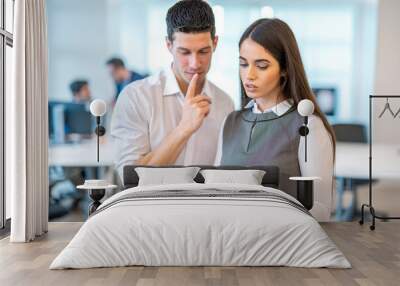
(195, 108)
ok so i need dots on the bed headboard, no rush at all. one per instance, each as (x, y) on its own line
(270, 179)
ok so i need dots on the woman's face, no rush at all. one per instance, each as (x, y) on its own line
(259, 71)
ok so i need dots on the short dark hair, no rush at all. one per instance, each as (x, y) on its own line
(77, 85)
(190, 16)
(116, 62)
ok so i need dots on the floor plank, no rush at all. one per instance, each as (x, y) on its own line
(374, 255)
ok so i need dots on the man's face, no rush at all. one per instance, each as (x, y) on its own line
(192, 53)
(84, 93)
(117, 73)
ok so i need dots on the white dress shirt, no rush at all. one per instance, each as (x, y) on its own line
(148, 110)
(319, 159)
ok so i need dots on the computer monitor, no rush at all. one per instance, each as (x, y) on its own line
(78, 119)
(67, 118)
(327, 99)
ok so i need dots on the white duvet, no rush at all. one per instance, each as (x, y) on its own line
(200, 231)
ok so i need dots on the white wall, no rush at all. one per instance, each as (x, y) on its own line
(364, 61)
(83, 35)
(387, 77)
(78, 46)
(387, 80)
(133, 31)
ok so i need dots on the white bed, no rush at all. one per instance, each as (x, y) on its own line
(206, 230)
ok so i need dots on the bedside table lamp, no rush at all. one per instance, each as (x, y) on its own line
(305, 108)
(98, 108)
(305, 185)
(97, 188)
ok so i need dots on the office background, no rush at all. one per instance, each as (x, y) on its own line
(347, 47)
(337, 41)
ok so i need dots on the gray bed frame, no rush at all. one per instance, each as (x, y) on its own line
(270, 179)
(305, 192)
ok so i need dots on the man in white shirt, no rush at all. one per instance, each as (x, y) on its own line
(174, 117)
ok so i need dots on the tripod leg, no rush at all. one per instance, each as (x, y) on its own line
(361, 222)
(372, 211)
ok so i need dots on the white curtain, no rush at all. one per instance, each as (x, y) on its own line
(28, 123)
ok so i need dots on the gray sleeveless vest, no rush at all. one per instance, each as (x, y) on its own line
(264, 139)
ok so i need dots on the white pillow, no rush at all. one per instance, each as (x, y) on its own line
(248, 177)
(163, 176)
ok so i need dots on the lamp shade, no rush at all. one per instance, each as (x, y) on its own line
(98, 107)
(305, 107)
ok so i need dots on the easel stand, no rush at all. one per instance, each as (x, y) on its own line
(369, 205)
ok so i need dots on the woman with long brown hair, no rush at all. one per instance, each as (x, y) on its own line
(266, 130)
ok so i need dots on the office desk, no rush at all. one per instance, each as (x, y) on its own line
(82, 154)
(352, 160)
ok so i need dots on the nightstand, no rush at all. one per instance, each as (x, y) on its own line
(305, 190)
(97, 190)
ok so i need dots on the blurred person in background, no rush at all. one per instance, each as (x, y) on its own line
(121, 75)
(80, 91)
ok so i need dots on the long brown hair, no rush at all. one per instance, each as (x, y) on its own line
(278, 39)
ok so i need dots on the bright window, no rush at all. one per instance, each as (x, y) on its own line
(6, 40)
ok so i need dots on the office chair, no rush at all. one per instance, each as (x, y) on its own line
(350, 133)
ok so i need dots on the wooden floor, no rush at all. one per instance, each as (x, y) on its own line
(375, 257)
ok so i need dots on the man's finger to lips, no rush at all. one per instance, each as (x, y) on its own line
(191, 92)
